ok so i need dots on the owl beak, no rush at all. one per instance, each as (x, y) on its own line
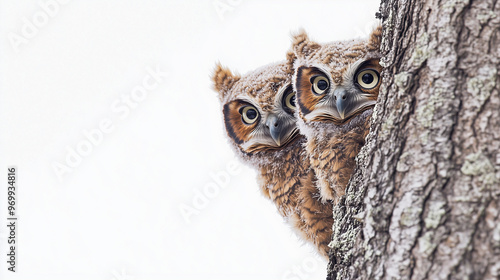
(277, 128)
(343, 102)
(349, 103)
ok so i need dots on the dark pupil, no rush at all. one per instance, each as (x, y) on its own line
(322, 84)
(251, 114)
(367, 78)
(292, 100)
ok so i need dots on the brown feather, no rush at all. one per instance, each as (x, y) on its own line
(333, 143)
(335, 159)
(372, 64)
(302, 45)
(375, 39)
(236, 129)
(294, 193)
(307, 100)
(284, 172)
(223, 80)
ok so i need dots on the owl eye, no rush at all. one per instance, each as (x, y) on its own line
(319, 84)
(368, 78)
(249, 114)
(289, 100)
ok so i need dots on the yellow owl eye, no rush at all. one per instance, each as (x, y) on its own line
(289, 100)
(320, 84)
(368, 79)
(249, 114)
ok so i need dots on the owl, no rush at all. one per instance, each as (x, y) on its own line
(337, 86)
(258, 113)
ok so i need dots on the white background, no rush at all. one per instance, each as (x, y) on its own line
(116, 213)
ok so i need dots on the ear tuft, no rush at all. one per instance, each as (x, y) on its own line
(223, 79)
(290, 59)
(301, 45)
(375, 39)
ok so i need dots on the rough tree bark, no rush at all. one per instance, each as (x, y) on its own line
(424, 200)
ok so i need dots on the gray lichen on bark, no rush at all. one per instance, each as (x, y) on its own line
(424, 200)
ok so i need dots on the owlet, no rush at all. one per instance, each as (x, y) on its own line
(258, 110)
(337, 86)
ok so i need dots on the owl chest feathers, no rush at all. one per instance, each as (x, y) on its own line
(281, 179)
(332, 156)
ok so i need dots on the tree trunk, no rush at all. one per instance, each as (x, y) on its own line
(424, 200)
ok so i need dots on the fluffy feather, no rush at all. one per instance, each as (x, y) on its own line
(284, 172)
(332, 144)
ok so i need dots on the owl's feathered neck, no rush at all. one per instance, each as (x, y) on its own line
(274, 160)
(324, 130)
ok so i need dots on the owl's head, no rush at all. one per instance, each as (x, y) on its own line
(258, 107)
(337, 81)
